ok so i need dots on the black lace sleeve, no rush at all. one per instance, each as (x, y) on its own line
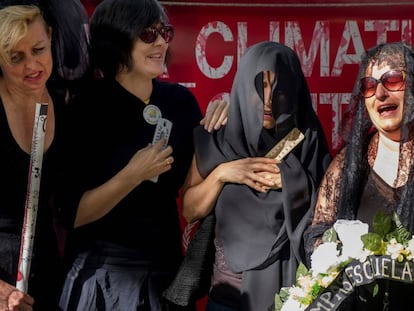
(326, 205)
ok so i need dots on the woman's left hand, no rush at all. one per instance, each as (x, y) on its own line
(275, 177)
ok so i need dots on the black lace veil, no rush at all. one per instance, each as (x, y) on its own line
(358, 129)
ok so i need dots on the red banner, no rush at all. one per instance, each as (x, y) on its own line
(329, 38)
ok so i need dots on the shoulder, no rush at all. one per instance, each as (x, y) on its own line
(177, 99)
(335, 168)
(338, 161)
(91, 93)
(173, 89)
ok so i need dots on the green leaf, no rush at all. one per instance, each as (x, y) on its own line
(372, 242)
(278, 303)
(402, 235)
(375, 290)
(342, 264)
(382, 224)
(301, 270)
(372, 289)
(315, 290)
(284, 293)
(330, 236)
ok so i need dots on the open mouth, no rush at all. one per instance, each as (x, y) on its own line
(387, 108)
(34, 75)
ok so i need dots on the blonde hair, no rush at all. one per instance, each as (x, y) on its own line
(14, 22)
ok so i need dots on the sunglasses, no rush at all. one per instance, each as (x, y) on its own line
(393, 81)
(149, 35)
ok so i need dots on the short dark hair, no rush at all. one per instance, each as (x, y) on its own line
(115, 26)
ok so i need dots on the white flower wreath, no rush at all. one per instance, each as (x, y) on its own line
(346, 241)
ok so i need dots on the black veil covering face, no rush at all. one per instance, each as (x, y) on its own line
(261, 233)
(289, 91)
(358, 129)
(69, 22)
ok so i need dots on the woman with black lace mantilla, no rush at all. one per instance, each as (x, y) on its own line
(374, 169)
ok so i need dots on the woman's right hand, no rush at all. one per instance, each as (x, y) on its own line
(150, 162)
(249, 171)
(11, 299)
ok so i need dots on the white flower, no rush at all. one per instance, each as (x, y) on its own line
(297, 292)
(324, 257)
(327, 280)
(350, 232)
(292, 304)
(306, 282)
(395, 249)
(410, 248)
(328, 257)
(364, 254)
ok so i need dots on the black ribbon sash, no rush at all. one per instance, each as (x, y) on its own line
(358, 273)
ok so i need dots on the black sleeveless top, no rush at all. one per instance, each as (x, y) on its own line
(45, 264)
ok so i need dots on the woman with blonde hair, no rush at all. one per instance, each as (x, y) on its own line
(41, 54)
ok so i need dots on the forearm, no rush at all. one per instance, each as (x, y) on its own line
(198, 200)
(96, 203)
(201, 194)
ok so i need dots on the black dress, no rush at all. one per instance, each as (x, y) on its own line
(261, 233)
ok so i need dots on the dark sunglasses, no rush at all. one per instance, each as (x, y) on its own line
(393, 80)
(149, 35)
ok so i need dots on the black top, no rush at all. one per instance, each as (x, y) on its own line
(106, 128)
(45, 265)
(378, 195)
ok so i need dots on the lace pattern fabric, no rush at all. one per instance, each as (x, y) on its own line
(330, 189)
(328, 196)
(221, 272)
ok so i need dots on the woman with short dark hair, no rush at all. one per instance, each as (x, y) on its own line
(121, 189)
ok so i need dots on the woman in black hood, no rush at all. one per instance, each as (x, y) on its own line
(261, 205)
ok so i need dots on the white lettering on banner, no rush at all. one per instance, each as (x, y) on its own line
(336, 100)
(242, 40)
(406, 31)
(274, 32)
(200, 50)
(382, 27)
(358, 274)
(351, 32)
(349, 50)
(294, 39)
(320, 37)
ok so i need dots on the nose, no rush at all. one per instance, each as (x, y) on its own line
(268, 104)
(30, 62)
(268, 99)
(160, 39)
(380, 91)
